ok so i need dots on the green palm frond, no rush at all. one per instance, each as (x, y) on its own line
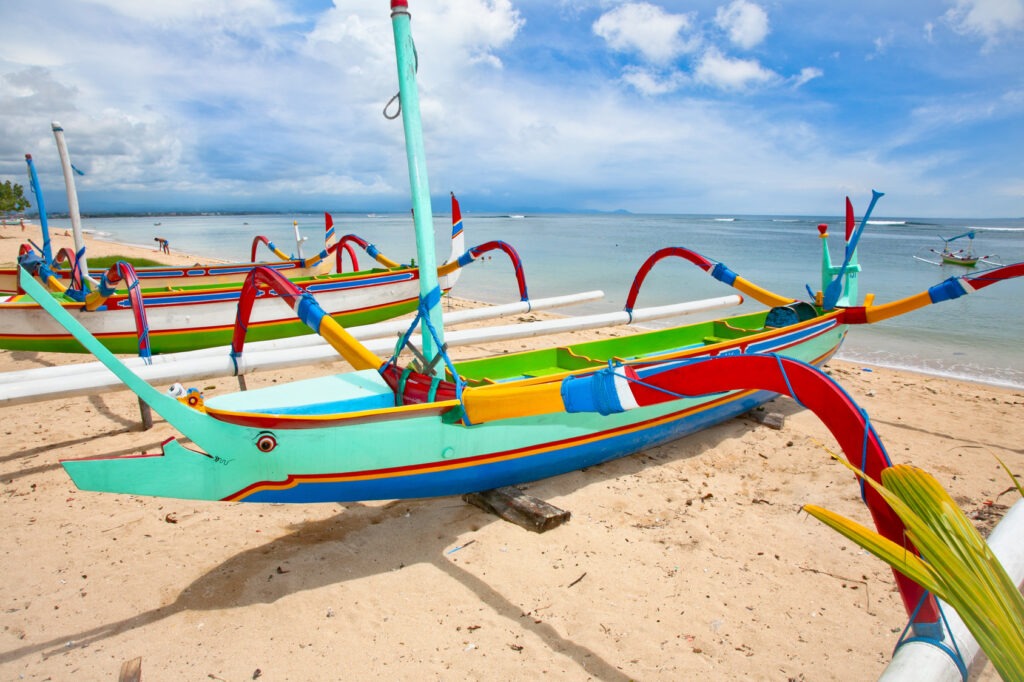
(956, 564)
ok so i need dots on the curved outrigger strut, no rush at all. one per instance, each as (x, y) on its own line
(714, 268)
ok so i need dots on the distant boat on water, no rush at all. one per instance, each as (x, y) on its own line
(964, 257)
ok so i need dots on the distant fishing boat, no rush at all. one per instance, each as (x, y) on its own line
(952, 255)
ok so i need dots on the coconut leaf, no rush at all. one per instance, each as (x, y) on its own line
(898, 557)
(956, 563)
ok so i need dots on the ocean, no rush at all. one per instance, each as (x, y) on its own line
(977, 337)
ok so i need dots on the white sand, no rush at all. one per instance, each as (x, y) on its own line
(688, 561)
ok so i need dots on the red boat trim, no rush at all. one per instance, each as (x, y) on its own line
(293, 480)
(431, 467)
(286, 421)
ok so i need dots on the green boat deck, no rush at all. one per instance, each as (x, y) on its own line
(595, 354)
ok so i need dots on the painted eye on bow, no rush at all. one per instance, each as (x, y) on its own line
(266, 442)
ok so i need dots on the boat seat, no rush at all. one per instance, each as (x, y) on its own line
(338, 393)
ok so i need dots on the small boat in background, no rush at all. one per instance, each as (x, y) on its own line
(129, 319)
(951, 255)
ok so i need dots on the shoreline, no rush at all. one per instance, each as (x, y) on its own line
(685, 560)
(98, 246)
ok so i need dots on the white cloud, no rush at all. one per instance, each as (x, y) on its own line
(731, 74)
(649, 82)
(471, 31)
(745, 22)
(647, 29)
(881, 44)
(807, 74)
(988, 19)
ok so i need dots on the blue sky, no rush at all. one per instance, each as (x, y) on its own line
(725, 107)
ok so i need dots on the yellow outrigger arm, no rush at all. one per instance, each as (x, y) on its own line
(951, 288)
(717, 270)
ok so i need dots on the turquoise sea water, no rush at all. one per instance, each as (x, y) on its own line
(977, 337)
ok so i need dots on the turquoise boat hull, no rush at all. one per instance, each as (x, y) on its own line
(337, 439)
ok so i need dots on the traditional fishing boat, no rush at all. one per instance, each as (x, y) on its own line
(952, 255)
(145, 321)
(390, 429)
(65, 269)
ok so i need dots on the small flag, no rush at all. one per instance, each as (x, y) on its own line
(80, 172)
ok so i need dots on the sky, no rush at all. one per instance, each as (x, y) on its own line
(724, 106)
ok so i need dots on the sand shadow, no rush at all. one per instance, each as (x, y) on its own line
(365, 540)
(358, 542)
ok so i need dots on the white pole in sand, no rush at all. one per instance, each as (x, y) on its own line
(69, 183)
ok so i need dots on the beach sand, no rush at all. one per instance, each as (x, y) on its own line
(687, 561)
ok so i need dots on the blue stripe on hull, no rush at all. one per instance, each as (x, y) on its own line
(517, 470)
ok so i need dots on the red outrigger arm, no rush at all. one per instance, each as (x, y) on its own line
(261, 277)
(619, 388)
(451, 266)
(369, 248)
(477, 251)
(410, 387)
(339, 250)
(717, 270)
(119, 272)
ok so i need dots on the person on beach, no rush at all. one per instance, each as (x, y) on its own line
(162, 245)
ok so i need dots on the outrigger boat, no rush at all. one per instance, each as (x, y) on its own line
(964, 257)
(386, 431)
(129, 319)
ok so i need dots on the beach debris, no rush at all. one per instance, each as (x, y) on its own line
(577, 580)
(512, 504)
(456, 549)
(171, 517)
(131, 671)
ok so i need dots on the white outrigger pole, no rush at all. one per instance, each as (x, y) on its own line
(76, 219)
(951, 658)
(63, 381)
